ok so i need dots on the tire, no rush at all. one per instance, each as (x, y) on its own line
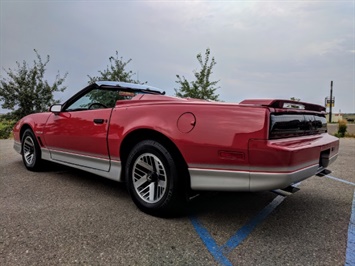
(30, 150)
(153, 179)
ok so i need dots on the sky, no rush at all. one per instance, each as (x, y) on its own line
(263, 49)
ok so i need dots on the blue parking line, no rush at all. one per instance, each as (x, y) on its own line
(219, 252)
(246, 230)
(209, 242)
(350, 249)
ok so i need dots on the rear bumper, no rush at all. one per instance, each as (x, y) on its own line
(270, 181)
(273, 165)
(222, 180)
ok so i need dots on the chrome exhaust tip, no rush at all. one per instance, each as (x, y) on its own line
(324, 172)
(286, 191)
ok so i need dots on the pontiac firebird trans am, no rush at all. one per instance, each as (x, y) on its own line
(165, 148)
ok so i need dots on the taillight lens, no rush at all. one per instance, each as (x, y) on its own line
(293, 125)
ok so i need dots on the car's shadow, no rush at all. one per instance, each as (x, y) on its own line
(62, 173)
(221, 205)
(229, 204)
(204, 203)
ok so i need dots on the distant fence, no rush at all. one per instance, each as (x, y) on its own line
(333, 128)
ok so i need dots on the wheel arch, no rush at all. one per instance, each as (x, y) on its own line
(139, 135)
(24, 127)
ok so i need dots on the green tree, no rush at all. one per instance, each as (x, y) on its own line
(294, 105)
(295, 99)
(25, 91)
(116, 71)
(202, 87)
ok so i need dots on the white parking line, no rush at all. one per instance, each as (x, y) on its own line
(340, 180)
(350, 247)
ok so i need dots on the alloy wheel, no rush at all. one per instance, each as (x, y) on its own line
(149, 178)
(29, 150)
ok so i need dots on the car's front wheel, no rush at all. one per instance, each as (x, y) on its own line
(31, 152)
(153, 179)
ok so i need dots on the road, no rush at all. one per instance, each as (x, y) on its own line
(62, 216)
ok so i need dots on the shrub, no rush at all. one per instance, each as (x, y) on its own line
(6, 128)
(342, 125)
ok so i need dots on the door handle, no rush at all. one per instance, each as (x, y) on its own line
(99, 121)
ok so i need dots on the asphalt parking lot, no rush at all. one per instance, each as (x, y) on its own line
(63, 216)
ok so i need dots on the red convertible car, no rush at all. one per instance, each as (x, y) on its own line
(166, 147)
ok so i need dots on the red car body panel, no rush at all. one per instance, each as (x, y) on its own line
(76, 132)
(202, 144)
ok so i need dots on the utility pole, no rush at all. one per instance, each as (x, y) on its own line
(331, 102)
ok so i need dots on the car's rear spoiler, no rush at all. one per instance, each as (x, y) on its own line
(284, 104)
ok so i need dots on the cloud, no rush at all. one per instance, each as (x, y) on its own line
(262, 48)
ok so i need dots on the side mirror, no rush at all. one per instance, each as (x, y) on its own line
(55, 108)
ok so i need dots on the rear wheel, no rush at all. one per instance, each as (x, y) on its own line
(153, 179)
(31, 152)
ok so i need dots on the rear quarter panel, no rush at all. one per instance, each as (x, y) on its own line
(219, 127)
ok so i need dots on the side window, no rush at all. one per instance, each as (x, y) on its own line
(98, 99)
(94, 99)
(83, 103)
(104, 97)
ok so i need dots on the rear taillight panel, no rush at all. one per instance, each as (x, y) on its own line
(287, 125)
